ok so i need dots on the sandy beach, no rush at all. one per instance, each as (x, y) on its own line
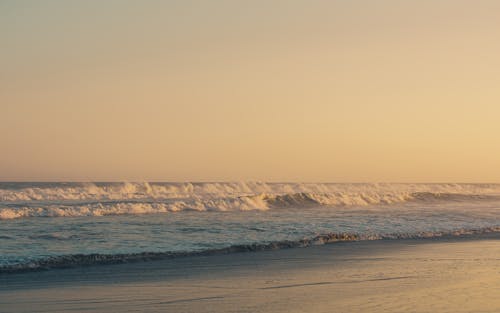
(425, 275)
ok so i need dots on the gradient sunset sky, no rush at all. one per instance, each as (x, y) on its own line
(339, 91)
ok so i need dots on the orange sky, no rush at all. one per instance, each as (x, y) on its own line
(340, 91)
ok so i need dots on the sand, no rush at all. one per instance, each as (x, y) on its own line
(427, 275)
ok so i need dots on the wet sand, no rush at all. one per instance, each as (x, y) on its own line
(425, 275)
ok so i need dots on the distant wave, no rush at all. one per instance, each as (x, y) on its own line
(142, 198)
(12, 192)
(79, 260)
(242, 203)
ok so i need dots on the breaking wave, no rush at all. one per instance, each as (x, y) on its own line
(79, 260)
(100, 199)
(15, 192)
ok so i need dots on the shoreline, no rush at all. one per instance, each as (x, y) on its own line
(349, 276)
(90, 260)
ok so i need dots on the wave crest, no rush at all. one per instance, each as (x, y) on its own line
(62, 200)
(129, 191)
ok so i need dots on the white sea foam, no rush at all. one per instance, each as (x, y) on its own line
(114, 191)
(141, 198)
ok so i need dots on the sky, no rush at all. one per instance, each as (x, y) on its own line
(311, 91)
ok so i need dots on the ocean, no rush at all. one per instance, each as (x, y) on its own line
(57, 225)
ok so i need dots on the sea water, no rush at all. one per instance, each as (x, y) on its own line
(46, 225)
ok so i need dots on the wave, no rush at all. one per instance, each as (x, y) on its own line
(80, 260)
(12, 192)
(240, 203)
